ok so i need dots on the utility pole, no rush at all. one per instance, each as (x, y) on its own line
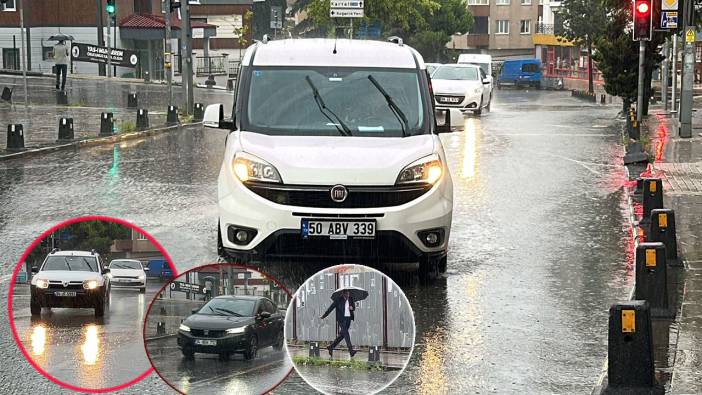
(642, 72)
(100, 34)
(664, 75)
(187, 38)
(168, 58)
(674, 94)
(109, 50)
(688, 71)
(24, 53)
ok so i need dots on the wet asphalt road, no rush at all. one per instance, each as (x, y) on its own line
(207, 375)
(537, 254)
(76, 348)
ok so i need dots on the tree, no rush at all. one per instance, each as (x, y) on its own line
(451, 17)
(583, 24)
(242, 31)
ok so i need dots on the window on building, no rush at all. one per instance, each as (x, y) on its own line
(478, 2)
(526, 2)
(139, 236)
(9, 6)
(502, 2)
(525, 26)
(480, 25)
(502, 27)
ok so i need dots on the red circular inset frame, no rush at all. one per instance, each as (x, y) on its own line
(14, 278)
(175, 277)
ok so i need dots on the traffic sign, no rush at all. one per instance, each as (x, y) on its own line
(690, 35)
(346, 4)
(669, 19)
(346, 13)
(669, 5)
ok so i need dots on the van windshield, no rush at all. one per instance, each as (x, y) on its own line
(281, 101)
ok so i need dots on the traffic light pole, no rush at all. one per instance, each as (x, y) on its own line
(674, 93)
(664, 76)
(640, 100)
(109, 49)
(187, 42)
(169, 56)
(24, 53)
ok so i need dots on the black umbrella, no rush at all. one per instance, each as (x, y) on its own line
(61, 37)
(356, 293)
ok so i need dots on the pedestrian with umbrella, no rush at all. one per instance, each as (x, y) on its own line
(344, 300)
(61, 56)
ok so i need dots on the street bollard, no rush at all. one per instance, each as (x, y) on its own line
(374, 354)
(132, 101)
(603, 99)
(6, 94)
(663, 230)
(630, 347)
(15, 137)
(314, 350)
(142, 119)
(635, 130)
(172, 117)
(61, 98)
(65, 132)
(160, 328)
(652, 278)
(107, 124)
(635, 154)
(230, 84)
(652, 197)
(199, 113)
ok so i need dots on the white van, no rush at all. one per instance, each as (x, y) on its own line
(484, 61)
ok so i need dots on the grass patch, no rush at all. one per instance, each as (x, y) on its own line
(335, 363)
(81, 103)
(127, 126)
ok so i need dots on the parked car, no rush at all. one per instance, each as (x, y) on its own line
(232, 324)
(464, 87)
(334, 154)
(70, 279)
(431, 67)
(128, 273)
(525, 72)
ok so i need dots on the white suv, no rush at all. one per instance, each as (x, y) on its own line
(71, 279)
(334, 154)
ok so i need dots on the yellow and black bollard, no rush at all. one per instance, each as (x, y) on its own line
(142, 122)
(107, 124)
(15, 137)
(652, 279)
(652, 197)
(663, 230)
(65, 132)
(314, 350)
(374, 354)
(172, 117)
(199, 112)
(630, 363)
(132, 100)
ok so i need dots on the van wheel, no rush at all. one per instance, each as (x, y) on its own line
(100, 307)
(188, 352)
(443, 263)
(251, 349)
(142, 290)
(34, 307)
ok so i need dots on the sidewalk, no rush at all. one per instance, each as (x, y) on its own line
(678, 162)
(388, 359)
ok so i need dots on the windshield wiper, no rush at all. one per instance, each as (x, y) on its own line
(341, 126)
(228, 311)
(393, 106)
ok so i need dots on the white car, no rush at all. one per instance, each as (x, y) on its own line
(70, 279)
(128, 273)
(431, 67)
(462, 86)
(334, 154)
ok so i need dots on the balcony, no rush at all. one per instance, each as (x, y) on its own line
(542, 28)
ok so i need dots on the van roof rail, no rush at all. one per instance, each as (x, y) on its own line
(397, 40)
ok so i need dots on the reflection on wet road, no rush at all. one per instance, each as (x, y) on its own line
(538, 244)
(78, 349)
(206, 374)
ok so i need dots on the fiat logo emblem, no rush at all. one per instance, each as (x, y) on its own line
(339, 193)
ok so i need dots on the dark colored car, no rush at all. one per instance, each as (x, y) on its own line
(232, 324)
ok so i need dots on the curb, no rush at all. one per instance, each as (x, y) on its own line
(150, 339)
(97, 141)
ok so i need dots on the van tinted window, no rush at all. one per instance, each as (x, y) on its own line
(530, 68)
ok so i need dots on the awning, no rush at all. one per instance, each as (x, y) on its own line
(153, 27)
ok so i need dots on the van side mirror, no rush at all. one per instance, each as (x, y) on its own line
(195, 310)
(486, 81)
(214, 118)
(446, 126)
(35, 270)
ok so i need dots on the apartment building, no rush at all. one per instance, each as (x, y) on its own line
(502, 28)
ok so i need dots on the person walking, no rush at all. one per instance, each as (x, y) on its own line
(61, 56)
(208, 290)
(344, 306)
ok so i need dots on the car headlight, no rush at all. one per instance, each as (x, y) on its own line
(90, 284)
(425, 170)
(250, 168)
(41, 283)
(236, 330)
(184, 328)
(478, 91)
(141, 277)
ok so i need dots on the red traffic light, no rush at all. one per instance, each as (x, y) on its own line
(642, 8)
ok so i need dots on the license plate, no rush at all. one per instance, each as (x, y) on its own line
(450, 99)
(65, 293)
(201, 342)
(337, 229)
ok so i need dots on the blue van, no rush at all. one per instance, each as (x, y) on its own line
(524, 72)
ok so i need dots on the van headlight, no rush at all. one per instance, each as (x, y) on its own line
(426, 170)
(234, 331)
(184, 328)
(41, 283)
(250, 168)
(141, 277)
(90, 284)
